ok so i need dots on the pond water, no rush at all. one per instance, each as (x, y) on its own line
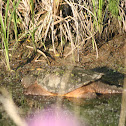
(102, 111)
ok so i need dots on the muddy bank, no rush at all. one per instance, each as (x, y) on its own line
(110, 55)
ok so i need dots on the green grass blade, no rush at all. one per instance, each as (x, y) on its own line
(15, 21)
(100, 15)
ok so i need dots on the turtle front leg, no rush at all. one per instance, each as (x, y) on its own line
(36, 89)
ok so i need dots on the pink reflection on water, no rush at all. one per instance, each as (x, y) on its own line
(54, 117)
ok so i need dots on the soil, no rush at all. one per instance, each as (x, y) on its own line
(110, 55)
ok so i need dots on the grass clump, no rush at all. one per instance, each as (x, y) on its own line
(113, 6)
(5, 25)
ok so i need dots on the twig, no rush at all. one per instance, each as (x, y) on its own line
(39, 51)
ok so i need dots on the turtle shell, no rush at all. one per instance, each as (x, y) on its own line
(62, 80)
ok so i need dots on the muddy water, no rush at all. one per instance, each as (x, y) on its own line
(96, 112)
(101, 111)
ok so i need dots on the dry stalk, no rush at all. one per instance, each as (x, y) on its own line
(11, 108)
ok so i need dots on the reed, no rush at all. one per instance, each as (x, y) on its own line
(5, 26)
(15, 21)
(4, 34)
(33, 32)
(97, 10)
(100, 16)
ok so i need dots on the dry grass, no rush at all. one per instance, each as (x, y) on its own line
(61, 21)
(48, 20)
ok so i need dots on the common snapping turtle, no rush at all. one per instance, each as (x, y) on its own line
(68, 82)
